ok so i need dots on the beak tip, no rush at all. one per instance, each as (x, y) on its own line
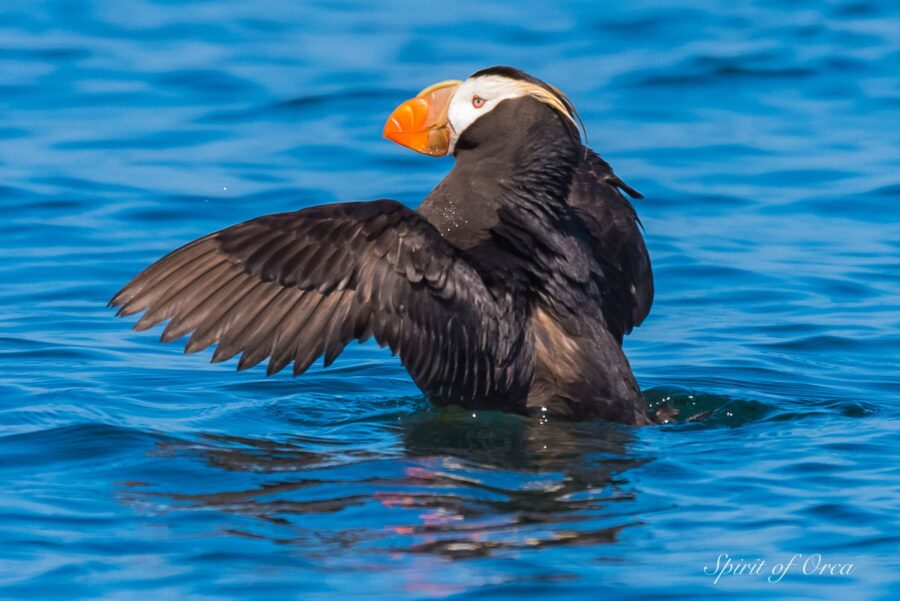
(392, 129)
(420, 123)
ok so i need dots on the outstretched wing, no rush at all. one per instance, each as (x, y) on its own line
(296, 286)
(618, 245)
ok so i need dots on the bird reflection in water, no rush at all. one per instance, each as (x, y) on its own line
(463, 485)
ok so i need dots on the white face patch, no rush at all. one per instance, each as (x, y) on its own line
(492, 89)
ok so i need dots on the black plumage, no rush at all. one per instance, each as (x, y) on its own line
(296, 286)
(510, 288)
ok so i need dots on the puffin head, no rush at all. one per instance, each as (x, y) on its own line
(493, 104)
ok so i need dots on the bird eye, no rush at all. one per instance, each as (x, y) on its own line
(478, 101)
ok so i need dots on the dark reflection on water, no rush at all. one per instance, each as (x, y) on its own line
(469, 485)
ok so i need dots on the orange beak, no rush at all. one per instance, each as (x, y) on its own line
(421, 123)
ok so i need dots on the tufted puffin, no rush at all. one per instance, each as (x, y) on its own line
(509, 288)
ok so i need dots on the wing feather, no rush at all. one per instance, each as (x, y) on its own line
(293, 287)
(618, 246)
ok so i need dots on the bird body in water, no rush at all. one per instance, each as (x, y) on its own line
(510, 288)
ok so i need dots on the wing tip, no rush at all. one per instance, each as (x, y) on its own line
(144, 324)
(274, 367)
(194, 345)
(117, 300)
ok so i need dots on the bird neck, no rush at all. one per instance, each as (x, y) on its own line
(503, 203)
(529, 169)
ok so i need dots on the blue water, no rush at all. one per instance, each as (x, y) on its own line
(766, 137)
